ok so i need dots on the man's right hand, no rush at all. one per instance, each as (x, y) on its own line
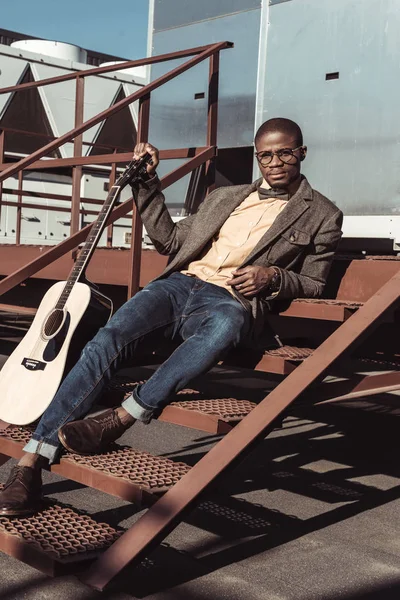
(141, 149)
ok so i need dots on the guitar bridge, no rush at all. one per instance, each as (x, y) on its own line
(33, 365)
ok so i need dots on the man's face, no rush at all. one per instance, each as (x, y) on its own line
(280, 172)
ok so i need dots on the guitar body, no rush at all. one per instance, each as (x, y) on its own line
(68, 317)
(33, 372)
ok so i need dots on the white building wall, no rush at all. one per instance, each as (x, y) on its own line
(49, 227)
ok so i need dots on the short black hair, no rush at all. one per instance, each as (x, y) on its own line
(283, 126)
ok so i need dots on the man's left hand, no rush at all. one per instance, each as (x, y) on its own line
(251, 280)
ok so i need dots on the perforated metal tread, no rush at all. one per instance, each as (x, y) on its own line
(226, 409)
(290, 352)
(153, 474)
(329, 302)
(224, 412)
(122, 471)
(125, 384)
(55, 537)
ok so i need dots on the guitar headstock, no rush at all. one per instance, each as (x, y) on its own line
(135, 171)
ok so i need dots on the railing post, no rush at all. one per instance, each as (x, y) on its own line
(212, 119)
(19, 208)
(77, 170)
(111, 181)
(136, 239)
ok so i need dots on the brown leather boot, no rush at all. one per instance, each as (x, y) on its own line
(92, 435)
(22, 493)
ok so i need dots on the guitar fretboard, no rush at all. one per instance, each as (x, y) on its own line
(90, 244)
(135, 169)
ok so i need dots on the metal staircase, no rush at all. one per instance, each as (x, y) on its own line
(334, 328)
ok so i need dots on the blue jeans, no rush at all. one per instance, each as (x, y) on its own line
(206, 321)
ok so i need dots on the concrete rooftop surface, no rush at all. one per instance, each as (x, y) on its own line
(311, 514)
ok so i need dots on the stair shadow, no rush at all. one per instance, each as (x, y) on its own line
(243, 529)
(250, 529)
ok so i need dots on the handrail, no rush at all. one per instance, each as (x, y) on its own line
(68, 244)
(141, 62)
(105, 159)
(197, 156)
(82, 211)
(53, 137)
(67, 137)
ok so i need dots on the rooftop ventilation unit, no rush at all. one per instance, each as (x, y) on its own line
(54, 49)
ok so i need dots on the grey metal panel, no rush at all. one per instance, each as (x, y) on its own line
(176, 193)
(351, 124)
(174, 13)
(177, 119)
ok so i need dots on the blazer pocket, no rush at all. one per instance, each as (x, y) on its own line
(289, 247)
(297, 237)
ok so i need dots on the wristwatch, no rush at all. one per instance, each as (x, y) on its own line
(275, 283)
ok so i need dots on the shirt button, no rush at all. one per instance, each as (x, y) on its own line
(219, 257)
(251, 223)
(238, 244)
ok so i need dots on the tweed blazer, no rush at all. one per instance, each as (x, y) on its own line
(301, 242)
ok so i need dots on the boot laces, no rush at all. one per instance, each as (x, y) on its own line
(109, 421)
(17, 474)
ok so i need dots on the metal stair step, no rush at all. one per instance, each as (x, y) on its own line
(279, 361)
(213, 415)
(284, 360)
(124, 472)
(323, 309)
(57, 539)
(18, 310)
(195, 409)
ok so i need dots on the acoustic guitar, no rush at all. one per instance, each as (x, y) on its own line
(69, 315)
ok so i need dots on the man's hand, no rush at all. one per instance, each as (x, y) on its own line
(251, 280)
(141, 149)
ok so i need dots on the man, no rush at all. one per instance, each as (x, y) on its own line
(247, 246)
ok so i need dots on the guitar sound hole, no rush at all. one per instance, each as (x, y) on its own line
(53, 323)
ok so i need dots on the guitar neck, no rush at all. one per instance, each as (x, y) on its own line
(135, 169)
(86, 252)
(94, 235)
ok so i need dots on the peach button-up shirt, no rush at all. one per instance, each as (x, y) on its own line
(237, 237)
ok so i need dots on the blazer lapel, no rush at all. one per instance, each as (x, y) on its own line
(213, 219)
(224, 206)
(296, 206)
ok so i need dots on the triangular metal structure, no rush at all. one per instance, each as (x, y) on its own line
(100, 93)
(117, 132)
(24, 119)
(12, 71)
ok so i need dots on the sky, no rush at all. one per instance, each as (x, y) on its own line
(118, 28)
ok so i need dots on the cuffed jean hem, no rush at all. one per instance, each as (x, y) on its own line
(136, 410)
(43, 449)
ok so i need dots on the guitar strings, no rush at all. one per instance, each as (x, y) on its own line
(51, 320)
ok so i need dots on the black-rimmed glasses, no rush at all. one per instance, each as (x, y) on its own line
(286, 155)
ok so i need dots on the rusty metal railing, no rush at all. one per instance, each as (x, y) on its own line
(196, 156)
